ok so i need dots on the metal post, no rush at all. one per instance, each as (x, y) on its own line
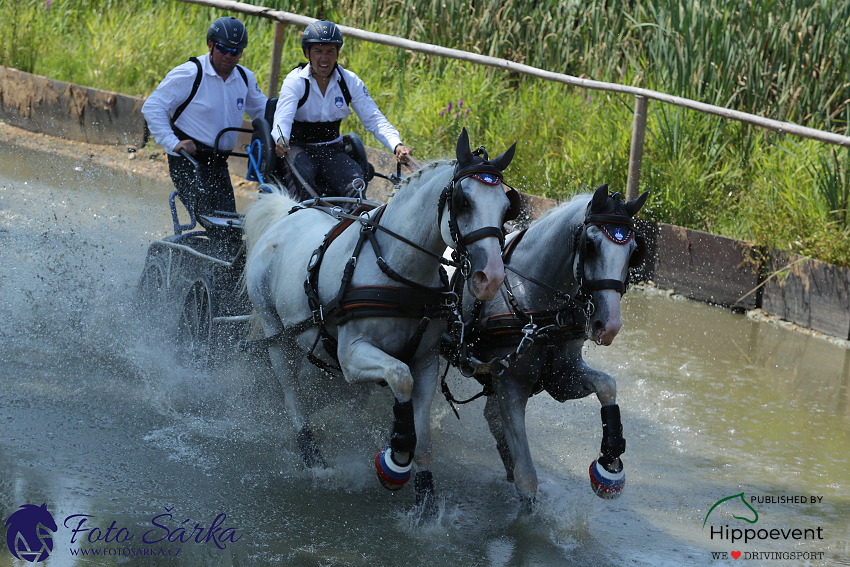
(636, 153)
(274, 72)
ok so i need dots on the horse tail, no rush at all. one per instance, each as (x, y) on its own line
(263, 213)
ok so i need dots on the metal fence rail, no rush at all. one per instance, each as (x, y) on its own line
(641, 95)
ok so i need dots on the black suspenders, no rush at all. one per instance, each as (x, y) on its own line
(345, 92)
(197, 84)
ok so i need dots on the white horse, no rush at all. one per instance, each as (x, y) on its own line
(373, 289)
(568, 271)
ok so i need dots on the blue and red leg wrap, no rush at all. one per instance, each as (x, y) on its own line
(606, 484)
(392, 475)
(607, 477)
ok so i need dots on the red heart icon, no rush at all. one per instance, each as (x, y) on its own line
(735, 554)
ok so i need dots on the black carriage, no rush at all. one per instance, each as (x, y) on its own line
(192, 278)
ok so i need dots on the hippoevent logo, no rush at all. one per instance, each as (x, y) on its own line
(29, 533)
(32, 529)
(741, 534)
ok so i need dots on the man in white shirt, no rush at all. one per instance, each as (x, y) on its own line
(193, 103)
(314, 98)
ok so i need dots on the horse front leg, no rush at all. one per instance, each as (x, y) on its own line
(425, 372)
(497, 429)
(571, 379)
(607, 476)
(364, 362)
(511, 399)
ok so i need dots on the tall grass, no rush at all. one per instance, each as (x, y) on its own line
(779, 58)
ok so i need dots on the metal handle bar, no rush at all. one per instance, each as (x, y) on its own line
(218, 136)
(192, 160)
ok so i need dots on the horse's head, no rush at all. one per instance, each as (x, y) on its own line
(607, 245)
(473, 209)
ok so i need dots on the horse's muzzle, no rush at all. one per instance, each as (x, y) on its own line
(606, 322)
(486, 280)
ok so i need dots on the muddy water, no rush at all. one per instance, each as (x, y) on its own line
(154, 464)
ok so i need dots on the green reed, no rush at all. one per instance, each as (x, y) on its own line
(782, 59)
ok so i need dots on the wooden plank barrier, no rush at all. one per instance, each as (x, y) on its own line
(808, 292)
(704, 266)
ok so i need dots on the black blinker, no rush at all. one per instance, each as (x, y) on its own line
(457, 198)
(514, 207)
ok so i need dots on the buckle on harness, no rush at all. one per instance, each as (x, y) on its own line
(559, 320)
(450, 299)
(527, 339)
(318, 315)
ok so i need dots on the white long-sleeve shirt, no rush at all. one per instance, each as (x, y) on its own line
(330, 106)
(217, 105)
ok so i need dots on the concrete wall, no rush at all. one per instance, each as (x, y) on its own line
(39, 104)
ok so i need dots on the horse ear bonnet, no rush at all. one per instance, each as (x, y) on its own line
(613, 206)
(471, 163)
(632, 207)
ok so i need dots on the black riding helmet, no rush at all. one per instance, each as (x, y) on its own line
(229, 32)
(319, 32)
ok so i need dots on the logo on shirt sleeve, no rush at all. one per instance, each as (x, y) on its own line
(240, 102)
(365, 90)
(339, 102)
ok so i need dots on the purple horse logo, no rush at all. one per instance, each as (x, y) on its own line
(30, 533)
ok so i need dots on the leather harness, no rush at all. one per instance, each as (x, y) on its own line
(520, 328)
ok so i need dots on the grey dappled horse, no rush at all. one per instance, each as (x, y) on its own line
(373, 289)
(566, 275)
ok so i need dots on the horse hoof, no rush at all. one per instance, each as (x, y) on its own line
(310, 453)
(392, 475)
(426, 499)
(606, 484)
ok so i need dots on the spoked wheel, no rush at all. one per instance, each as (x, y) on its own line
(195, 333)
(152, 286)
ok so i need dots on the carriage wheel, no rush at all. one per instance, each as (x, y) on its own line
(195, 332)
(152, 285)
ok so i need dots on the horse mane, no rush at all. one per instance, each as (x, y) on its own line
(261, 214)
(424, 174)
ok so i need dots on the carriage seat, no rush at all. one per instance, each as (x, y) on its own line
(270, 164)
(212, 223)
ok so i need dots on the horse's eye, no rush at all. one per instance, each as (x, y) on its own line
(590, 248)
